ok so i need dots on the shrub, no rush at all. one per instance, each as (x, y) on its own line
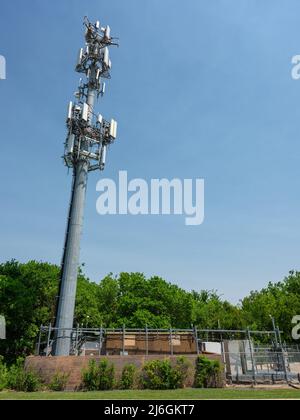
(160, 374)
(3, 374)
(59, 381)
(32, 382)
(90, 377)
(208, 373)
(99, 376)
(21, 380)
(16, 376)
(128, 377)
(180, 372)
(106, 375)
(156, 374)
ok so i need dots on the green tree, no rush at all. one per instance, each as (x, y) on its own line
(87, 311)
(280, 300)
(27, 300)
(28, 296)
(211, 312)
(154, 301)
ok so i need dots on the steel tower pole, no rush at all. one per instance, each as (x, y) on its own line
(80, 161)
(67, 298)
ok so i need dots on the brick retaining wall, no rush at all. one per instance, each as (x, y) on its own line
(46, 367)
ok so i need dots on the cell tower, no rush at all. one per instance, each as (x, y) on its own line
(89, 135)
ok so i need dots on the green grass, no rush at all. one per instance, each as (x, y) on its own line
(183, 394)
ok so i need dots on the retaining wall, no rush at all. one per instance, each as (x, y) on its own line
(46, 367)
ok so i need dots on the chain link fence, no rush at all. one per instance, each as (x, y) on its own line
(257, 357)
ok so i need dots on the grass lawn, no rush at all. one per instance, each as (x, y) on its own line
(183, 394)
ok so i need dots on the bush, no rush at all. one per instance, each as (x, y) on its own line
(90, 377)
(16, 376)
(160, 374)
(208, 373)
(128, 377)
(156, 374)
(3, 374)
(59, 381)
(99, 376)
(21, 380)
(106, 375)
(180, 372)
(32, 382)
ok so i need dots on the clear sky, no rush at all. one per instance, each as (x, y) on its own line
(201, 89)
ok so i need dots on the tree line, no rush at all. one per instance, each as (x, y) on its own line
(28, 295)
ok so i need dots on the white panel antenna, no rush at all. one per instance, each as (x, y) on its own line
(106, 57)
(85, 112)
(70, 111)
(113, 129)
(79, 58)
(100, 119)
(107, 33)
(103, 156)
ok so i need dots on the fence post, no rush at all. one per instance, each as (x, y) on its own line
(100, 340)
(196, 339)
(283, 356)
(147, 340)
(48, 339)
(123, 346)
(77, 341)
(171, 342)
(38, 350)
(252, 356)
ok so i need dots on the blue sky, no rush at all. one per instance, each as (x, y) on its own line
(201, 89)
